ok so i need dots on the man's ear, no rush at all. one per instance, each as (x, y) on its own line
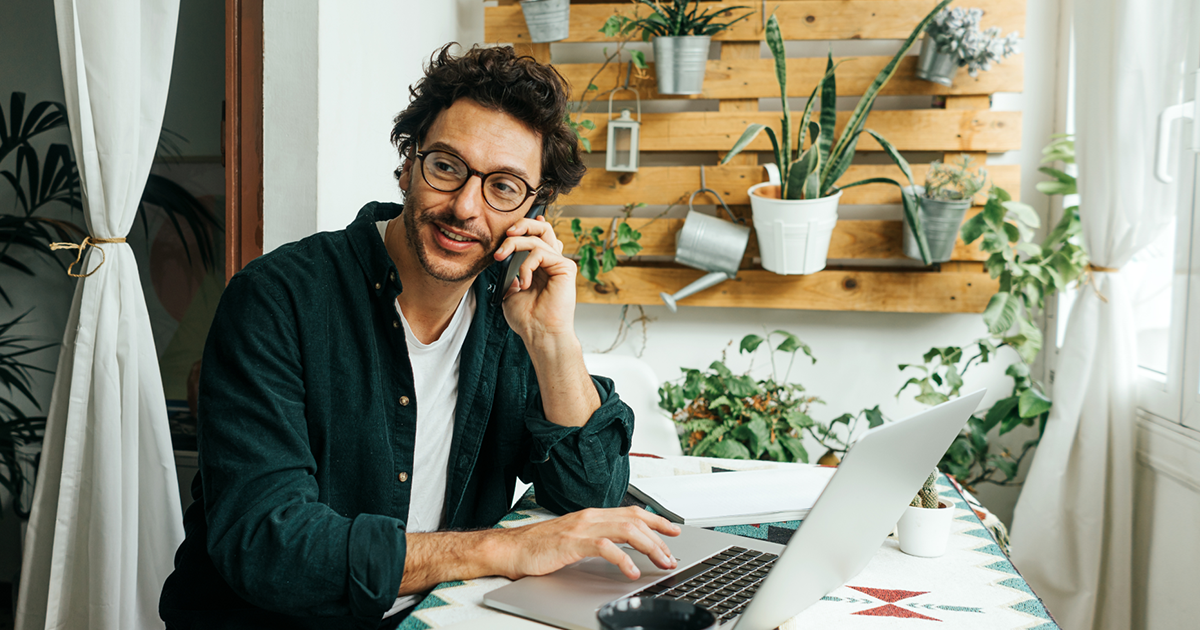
(404, 175)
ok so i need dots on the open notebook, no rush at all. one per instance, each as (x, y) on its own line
(736, 497)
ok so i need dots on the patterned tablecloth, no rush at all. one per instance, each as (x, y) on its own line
(972, 586)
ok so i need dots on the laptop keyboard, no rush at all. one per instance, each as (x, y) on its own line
(723, 583)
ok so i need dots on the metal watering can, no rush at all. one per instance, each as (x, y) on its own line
(709, 244)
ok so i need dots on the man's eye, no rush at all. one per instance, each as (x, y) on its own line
(506, 187)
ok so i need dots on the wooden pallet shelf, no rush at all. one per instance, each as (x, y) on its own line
(871, 240)
(740, 78)
(829, 290)
(907, 130)
(798, 19)
(960, 122)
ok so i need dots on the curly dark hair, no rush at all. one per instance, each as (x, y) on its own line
(499, 79)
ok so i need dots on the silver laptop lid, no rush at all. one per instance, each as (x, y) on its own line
(874, 483)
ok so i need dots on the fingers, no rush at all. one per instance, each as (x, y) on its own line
(538, 228)
(606, 549)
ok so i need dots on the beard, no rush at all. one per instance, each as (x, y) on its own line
(440, 270)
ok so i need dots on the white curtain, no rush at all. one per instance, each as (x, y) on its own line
(106, 519)
(1073, 524)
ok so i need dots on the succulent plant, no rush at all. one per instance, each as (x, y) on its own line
(927, 496)
(954, 181)
(956, 31)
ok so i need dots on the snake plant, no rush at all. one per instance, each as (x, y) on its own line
(813, 172)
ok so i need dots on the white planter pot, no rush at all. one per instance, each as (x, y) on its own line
(924, 532)
(793, 235)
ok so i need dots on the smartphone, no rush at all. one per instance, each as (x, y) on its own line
(512, 265)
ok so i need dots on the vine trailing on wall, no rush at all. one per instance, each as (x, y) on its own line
(1028, 274)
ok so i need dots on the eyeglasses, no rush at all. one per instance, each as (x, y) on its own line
(447, 172)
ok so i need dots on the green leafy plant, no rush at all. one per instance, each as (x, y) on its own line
(955, 181)
(735, 416)
(813, 172)
(598, 255)
(1028, 273)
(722, 414)
(673, 19)
(17, 428)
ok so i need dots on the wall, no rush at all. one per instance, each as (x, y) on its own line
(1166, 561)
(335, 74)
(362, 75)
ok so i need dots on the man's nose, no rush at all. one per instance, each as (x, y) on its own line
(469, 202)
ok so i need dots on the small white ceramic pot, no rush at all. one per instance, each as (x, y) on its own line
(924, 532)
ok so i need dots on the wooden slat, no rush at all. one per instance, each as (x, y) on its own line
(908, 130)
(829, 290)
(749, 78)
(810, 20)
(873, 240)
(668, 184)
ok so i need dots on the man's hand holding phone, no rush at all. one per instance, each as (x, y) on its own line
(540, 300)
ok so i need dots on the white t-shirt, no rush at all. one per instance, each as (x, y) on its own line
(435, 382)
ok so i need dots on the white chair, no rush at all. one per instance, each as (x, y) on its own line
(637, 386)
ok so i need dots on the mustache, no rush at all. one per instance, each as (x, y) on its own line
(448, 219)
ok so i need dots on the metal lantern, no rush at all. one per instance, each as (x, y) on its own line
(622, 152)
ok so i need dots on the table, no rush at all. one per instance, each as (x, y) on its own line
(972, 586)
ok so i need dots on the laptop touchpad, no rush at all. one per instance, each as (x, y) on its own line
(603, 568)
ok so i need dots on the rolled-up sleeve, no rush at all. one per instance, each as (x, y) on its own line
(269, 537)
(580, 467)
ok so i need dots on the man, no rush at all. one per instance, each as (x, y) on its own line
(365, 410)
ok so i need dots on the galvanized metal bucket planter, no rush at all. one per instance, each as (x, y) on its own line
(679, 63)
(941, 222)
(935, 65)
(548, 20)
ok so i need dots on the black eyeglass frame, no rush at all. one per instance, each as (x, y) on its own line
(530, 191)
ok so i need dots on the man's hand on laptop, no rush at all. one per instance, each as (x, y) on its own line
(550, 545)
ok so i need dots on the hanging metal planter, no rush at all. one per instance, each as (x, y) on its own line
(547, 20)
(621, 153)
(679, 63)
(936, 65)
(941, 222)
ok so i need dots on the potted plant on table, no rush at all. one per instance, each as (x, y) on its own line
(735, 416)
(681, 35)
(948, 192)
(924, 527)
(794, 217)
(953, 40)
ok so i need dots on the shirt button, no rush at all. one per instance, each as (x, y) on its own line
(378, 286)
(395, 323)
(391, 276)
(404, 401)
(403, 477)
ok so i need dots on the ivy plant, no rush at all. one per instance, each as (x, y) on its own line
(1028, 274)
(598, 255)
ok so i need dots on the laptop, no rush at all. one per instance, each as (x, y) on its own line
(754, 584)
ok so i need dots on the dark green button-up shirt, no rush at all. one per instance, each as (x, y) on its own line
(299, 512)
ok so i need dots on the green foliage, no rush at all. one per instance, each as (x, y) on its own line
(16, 376)
(955, 181)
(596, 255)
(723, 414)
(813, 172)
(672, 19)
(1029, 273)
